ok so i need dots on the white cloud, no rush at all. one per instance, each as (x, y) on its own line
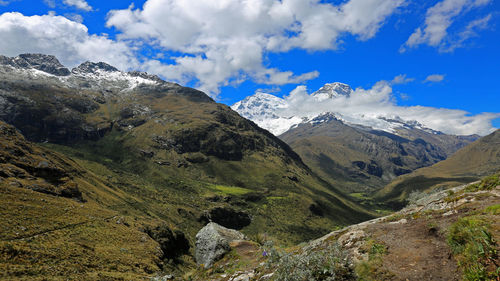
(401, 79)
(4, 2)
(226, 41)
(470, 31)
(434, 78)
(79, 4)
(365, 106)
(437, 22)
(59, 36)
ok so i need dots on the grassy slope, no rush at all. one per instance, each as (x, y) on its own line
(46, 236)
(358, 160)
(43, 235)
(468, 164)
(266, 172)
(446, 236)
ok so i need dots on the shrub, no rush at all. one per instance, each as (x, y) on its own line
(330, 263)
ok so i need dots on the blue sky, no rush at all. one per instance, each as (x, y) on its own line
(231, 50)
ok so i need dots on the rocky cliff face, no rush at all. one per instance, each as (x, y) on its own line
(27, 166)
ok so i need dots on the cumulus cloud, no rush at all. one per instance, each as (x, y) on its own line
(367, 106)
(226, 42)
(438, 20)
(79, 4)
(434, 78)
(59, 36)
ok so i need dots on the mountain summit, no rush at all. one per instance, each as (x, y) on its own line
(279, 115)
(332, 90)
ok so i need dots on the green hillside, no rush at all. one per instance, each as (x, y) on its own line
(361, 161)
(137, 165)
(470, 163)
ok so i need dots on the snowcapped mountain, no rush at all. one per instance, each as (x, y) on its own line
(332, 90)
(278, 116)
(89, 75)
(265, 110)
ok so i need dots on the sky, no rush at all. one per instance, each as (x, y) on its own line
(438, 55)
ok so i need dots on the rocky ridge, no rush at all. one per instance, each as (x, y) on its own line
(43, 69)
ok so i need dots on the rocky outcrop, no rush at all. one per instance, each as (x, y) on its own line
(227, 217)
(58, 117)
(45, 63)
(172, 243)
(212, 243)
(91, 67)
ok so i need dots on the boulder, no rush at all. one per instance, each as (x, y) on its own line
(212, 243)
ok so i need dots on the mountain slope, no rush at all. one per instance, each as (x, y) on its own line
(472, 162)
(174, 148)
(358, 153)
(446, 235)
(61, 221)
(360, 159)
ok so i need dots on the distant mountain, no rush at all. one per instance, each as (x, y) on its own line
(183, 157)
(355, 153)
(360, 159)
(470, 163)
(278, 116)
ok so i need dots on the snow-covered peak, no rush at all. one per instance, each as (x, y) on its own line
(279, 115)
(332, 90)
(267, 111)
(260, 104)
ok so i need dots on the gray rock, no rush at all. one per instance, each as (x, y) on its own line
(163, 278)
(45, 63)
(212, 243)
(92, 67)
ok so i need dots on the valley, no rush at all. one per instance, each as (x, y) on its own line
(110, 175)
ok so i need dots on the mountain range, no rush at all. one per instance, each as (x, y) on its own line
(152, 152)
(109, 175)
(356, 153)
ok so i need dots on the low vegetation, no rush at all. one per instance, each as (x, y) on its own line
(475, 249)
(328, 263)
(371, 269)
